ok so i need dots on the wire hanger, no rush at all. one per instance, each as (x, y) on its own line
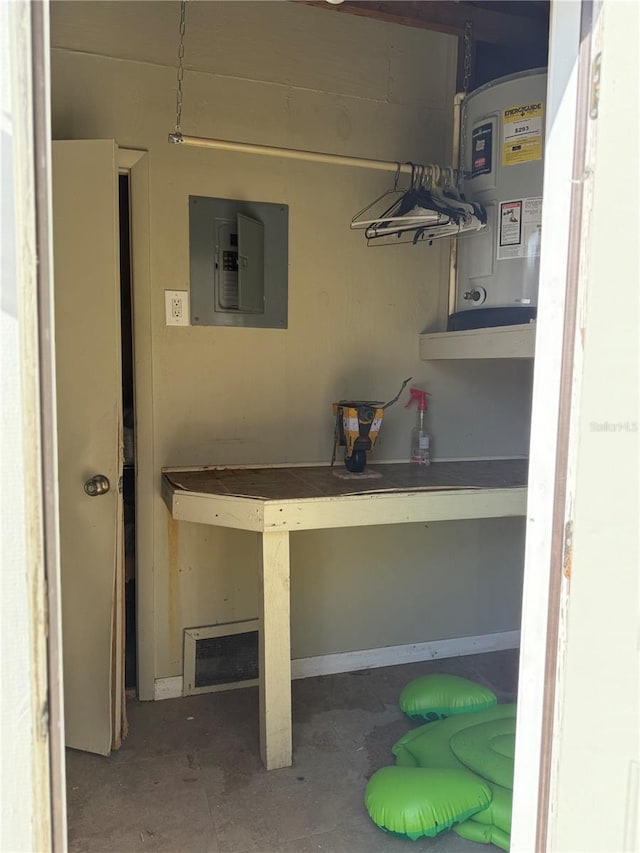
(430, 208)
(387, 215)
(357, 222)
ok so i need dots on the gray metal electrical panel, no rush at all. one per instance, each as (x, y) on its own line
(238, 254)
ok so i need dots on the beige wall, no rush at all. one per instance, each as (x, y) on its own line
(287, 74)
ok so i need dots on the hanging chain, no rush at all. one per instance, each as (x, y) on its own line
(466, 80)
(468, 35)
(183, 16)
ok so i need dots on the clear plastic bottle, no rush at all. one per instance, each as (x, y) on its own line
(420, 438)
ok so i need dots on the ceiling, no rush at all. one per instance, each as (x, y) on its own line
(505, 22)
(507, 36)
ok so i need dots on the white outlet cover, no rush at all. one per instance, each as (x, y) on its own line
(176, 307)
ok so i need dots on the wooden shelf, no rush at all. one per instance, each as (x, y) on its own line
(312, 498)
(498, 342)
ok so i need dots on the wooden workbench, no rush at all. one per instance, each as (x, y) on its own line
(275, 501)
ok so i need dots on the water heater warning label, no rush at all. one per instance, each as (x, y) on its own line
(519, 228)
(522, 134)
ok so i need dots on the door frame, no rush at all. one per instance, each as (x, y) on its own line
(556, 388)
(135, 163)
(542, 524)
(31, 708)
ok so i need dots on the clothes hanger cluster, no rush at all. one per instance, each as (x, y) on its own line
(431, 207)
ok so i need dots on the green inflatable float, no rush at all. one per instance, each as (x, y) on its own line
(453, 773)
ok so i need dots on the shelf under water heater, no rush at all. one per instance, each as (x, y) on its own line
(502, 151)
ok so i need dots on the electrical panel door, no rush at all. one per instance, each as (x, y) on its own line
(238, 252)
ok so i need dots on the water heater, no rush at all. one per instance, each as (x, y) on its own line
(502, 151)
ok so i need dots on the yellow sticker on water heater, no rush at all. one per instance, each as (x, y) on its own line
(522, 133)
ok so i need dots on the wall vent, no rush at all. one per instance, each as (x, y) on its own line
(220, 657)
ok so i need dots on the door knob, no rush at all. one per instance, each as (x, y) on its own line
(98, 485)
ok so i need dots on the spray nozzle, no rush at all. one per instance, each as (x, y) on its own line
(416, 395)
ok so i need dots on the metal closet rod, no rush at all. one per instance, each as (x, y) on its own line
(310, 156)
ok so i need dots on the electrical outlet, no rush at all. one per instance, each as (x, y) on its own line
(176, 307)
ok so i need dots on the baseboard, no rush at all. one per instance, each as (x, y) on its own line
(171, 688)
(409, 653)
(167, 688)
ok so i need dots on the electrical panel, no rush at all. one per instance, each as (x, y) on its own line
(238, 253)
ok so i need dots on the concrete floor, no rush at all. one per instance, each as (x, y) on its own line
(189, 777)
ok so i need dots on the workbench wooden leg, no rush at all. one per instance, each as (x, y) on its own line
(275, 651)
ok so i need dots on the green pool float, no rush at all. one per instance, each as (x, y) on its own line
(454, 773)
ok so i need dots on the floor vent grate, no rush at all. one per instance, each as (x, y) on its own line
(220, 657)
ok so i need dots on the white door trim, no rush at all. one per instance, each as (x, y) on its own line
(128, 157)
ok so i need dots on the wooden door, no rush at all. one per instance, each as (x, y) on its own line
(89, 395)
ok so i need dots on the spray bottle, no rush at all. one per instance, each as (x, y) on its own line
(420, 439)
